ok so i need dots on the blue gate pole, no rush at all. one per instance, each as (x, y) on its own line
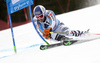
(12, 34)
(12, 31)
(35, 26)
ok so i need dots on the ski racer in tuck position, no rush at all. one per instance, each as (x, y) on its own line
(46, 22)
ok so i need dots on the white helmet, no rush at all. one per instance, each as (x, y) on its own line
(39, 10)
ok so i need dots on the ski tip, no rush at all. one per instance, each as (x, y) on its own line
(43, 47)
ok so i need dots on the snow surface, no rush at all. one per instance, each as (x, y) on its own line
(28, 42)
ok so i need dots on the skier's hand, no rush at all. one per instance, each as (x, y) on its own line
(87, 31)
(46, 33)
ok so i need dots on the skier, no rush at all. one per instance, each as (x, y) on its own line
(46, 22)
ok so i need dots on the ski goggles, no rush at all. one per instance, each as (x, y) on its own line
(40, 16)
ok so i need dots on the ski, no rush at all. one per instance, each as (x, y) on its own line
(66, 43)
(43, 47)
(71, 42)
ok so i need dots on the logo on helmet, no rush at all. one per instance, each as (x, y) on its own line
(38, 13)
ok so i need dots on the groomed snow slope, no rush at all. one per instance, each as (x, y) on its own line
(28, 42)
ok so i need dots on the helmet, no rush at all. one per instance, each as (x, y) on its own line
(39, 10)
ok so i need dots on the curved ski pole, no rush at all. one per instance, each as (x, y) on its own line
(35, 26)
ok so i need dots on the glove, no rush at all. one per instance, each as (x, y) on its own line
(87, 31)
(46, 33)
